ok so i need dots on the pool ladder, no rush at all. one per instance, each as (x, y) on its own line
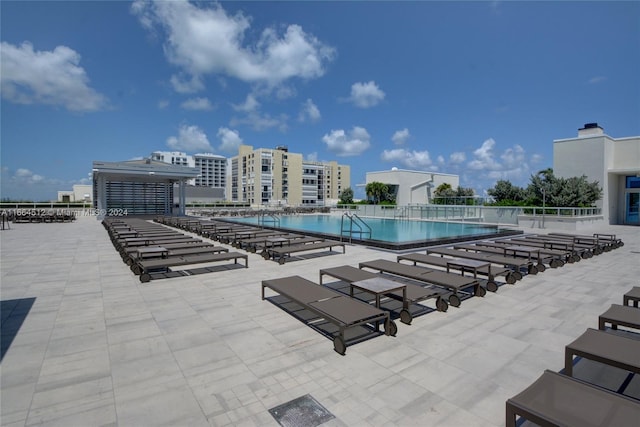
(264, 217)
(355, 225)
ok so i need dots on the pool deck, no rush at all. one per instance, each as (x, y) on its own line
(88, 344)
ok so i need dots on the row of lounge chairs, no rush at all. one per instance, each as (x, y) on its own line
(558, 399)
(40, 215)
(153, 251)
(273, 244)
(429, 278)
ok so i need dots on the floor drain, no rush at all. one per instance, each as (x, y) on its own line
(304, 411)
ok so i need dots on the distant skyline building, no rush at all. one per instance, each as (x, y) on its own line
(410, 187)
(213, 168)
(278, 177)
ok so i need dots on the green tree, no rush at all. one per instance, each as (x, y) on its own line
(346, 197)
(444, 194)
(505, 192)
(562, 192)
(376, 190)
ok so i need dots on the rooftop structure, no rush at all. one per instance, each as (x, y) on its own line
(613, 162)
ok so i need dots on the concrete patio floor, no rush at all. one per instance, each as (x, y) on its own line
(86, 344)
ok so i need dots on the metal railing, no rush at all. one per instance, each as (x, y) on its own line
(362, 228)
(486, 214)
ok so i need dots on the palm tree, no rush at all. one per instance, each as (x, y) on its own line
(376, 190)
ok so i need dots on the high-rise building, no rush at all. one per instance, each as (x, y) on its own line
(276, 176)
(213, 168)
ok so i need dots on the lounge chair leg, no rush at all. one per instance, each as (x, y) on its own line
(145, 277)
(454, 300)
(492, 286)
(390, 327)
(442, 305)
(511, 278)
(339, 346)
(532, 269)
(405, 316)
(541, 267)
(479, 291)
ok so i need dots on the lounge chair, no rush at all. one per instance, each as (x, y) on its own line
(562, 249)
(449, 281)
(604, 347)
(633, 296)
(299, 239)
(585, 250)
(557, 400)
(554, 258)
(620, 315)
(334, 307)
(414, 293)
(515, 264)
(145, 267)
(454, 263)
(525, 253)
(281, 253)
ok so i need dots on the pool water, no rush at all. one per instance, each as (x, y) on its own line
(391, 231)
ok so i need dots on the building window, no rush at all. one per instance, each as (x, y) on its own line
(632, 182)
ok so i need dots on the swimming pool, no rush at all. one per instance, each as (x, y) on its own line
(387, 233)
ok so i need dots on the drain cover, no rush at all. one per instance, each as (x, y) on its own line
(304, 411)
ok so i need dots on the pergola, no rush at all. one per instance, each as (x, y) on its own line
(139, 187)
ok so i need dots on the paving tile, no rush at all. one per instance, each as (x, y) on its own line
(98, 347)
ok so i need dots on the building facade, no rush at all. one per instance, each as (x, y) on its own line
(277, 177)
(613, 162)
(412, 187)
(213, 168)
(79, 193)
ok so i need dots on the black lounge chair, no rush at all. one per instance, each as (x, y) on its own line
(146, 266)
(515, 264)
(557, 400)
(452, 282)
(457, 264)
(525, 254)
(554, 258)
(334, 307)
(281, 253)
(620, 315)
(414, 293)
(604, 347)
(585, 250)
(562, 250)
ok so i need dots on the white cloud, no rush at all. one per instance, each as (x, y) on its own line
(198, 104)
(366, 95)
(309, 112)
(597, 79)
(400, 137)
(206, 40)
(312, 157)
(24, 184)
(418, 160)
(250, 104)
(162, 104)
(183, 84)
(190, 139)
(484, 158)
(262, 121)
(46, 77)
(352, 143)
(230, 140)
(457, 157)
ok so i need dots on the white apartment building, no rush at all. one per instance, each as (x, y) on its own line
(277, 177)
(613, 162)
(412, 187)
(213, 168)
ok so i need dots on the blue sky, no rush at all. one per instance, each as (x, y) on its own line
(479, 89)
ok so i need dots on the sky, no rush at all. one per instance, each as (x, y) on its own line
(477, 89)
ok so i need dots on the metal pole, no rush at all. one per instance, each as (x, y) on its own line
(544, 197)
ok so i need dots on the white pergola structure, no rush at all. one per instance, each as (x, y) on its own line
(139, 187)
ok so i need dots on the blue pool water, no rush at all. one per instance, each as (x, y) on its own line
(383, 230)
